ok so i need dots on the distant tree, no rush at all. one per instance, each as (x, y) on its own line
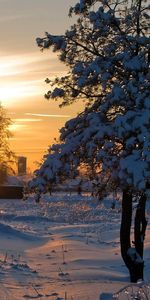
(107, 52)
(6, 155)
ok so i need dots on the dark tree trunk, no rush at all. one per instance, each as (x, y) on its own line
(133, 257)
(140, 224)
(126, 221)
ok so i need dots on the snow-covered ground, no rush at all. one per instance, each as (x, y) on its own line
(66, 247)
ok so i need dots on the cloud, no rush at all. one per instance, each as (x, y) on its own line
(48, 115)
(23, 76)
(24, 120)
(14, 91)
(22, 123)
(16, 127)
(12, 65)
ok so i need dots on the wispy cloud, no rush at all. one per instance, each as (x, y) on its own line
(14, 91)
(26, 124)
(48, 115)
(17, 127)
(22, 123)
(12, 65)
(23, 76)
(24, 120)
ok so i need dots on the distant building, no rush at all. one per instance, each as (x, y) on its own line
(22, 165)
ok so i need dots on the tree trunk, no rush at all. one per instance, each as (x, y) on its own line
(140, 224)
(133, 256)
(125, 242)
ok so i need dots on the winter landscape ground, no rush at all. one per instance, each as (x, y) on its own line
(64, 248)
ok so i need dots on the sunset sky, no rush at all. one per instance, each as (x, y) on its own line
(23, 69)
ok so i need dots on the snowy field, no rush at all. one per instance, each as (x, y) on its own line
(64, 248)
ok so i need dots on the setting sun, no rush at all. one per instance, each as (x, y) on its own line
(10, 93)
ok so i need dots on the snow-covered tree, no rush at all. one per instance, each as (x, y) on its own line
(6, 155)
(107, 52)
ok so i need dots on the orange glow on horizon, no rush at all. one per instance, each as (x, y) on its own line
(35, 121)
(23, 69)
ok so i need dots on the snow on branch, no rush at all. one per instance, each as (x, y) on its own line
(108, 60)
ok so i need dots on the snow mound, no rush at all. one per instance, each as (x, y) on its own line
(31, 218)
(10, 232)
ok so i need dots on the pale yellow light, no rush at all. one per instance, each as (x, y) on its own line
(16, 127)
(17, 64)
(28, 120)
(11, 93)
(8, 92)
(8, 68)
